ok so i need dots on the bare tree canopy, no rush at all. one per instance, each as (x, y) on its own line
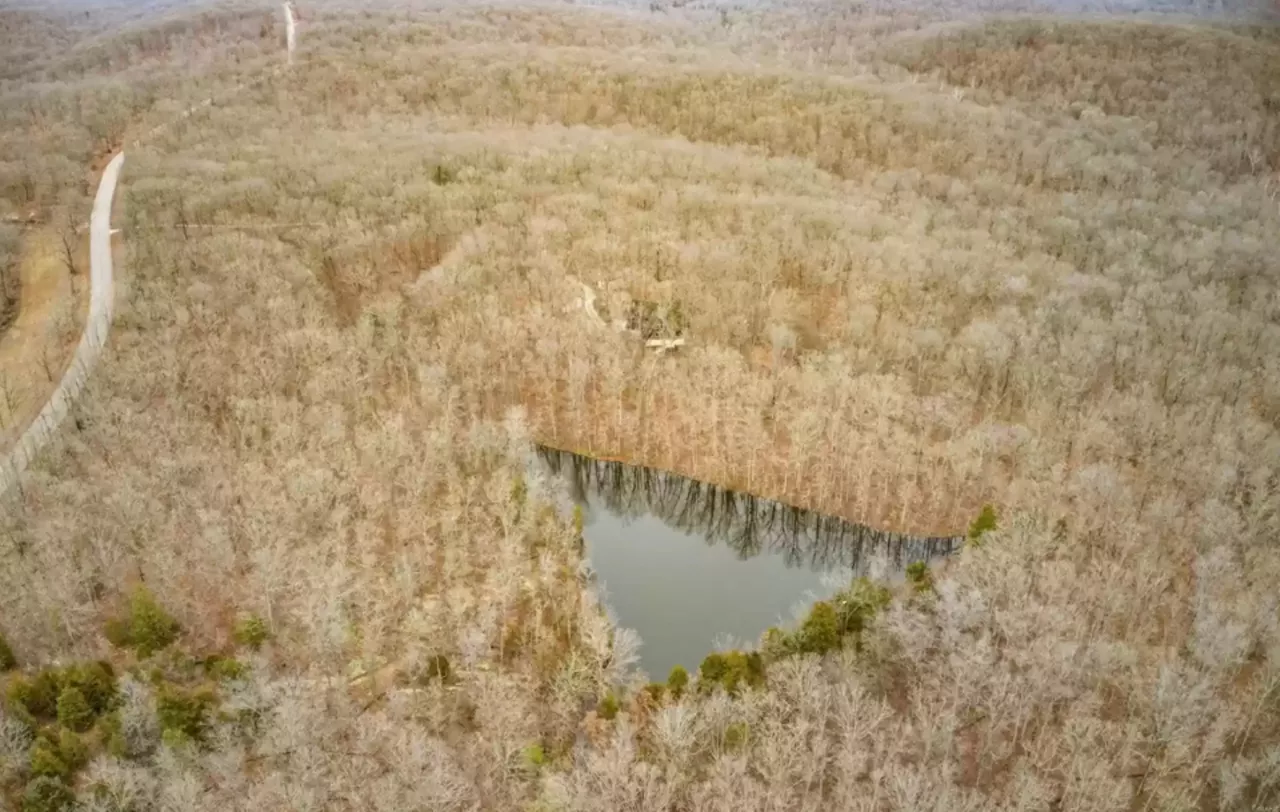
(935, 274)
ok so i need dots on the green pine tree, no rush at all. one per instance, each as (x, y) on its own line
(74, 712)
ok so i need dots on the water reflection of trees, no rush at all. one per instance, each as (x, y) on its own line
(746, 523)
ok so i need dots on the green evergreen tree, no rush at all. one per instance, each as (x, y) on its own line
(36, 697)
(184, 712)
(47, 794)
(72, 750)
(74, 712)
(985, 523)
(713, 671)
(608, 707)
(147, 628)
(46, 761)
(677, 680)
(151, 627)
(251, 632)
(919, 577)
(96, 680)
(820, 631)
(856, 606)
(731, 670)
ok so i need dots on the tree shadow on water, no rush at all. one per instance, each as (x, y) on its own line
(748, 524)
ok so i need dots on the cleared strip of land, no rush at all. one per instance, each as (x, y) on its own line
(97, 325)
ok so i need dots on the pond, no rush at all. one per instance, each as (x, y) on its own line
(688, 565)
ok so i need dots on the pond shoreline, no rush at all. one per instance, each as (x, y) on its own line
(632, 488)
(688, 565)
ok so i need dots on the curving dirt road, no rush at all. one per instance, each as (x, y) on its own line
(96, 327)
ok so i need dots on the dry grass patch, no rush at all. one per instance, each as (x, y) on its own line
(49, 315)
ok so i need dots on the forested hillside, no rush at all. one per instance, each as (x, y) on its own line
(922, 261)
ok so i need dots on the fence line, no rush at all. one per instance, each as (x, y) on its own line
(290, 29)
(92, 340)
(17, 459)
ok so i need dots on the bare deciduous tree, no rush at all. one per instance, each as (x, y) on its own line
(1026, 264)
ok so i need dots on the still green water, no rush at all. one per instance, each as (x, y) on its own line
(688, 565)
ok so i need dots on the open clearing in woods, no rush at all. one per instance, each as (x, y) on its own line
(34, 348)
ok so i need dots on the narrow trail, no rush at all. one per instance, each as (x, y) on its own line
(97, 326)
(15, 460)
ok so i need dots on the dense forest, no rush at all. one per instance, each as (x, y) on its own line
(291, 553)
